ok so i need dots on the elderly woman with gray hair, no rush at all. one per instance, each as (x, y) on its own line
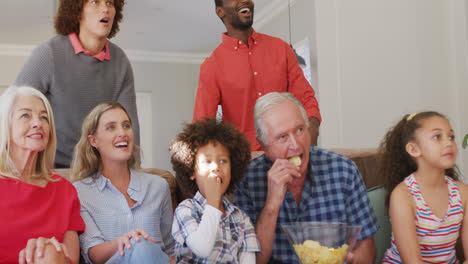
(40, 210)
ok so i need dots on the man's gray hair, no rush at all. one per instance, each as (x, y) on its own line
(265, 103)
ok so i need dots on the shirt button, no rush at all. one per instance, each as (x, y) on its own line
(250, 53)
(235, 48)
(240, 42)
(255, 73)
(255, 42)
(260, 94)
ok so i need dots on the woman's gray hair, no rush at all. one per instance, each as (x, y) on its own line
(265, 103)
(45, 159)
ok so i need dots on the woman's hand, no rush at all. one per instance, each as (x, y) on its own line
(35, 248)
(124, 240)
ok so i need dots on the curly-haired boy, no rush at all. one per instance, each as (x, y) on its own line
(209, 159)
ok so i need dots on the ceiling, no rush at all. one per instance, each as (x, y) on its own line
(169, 26)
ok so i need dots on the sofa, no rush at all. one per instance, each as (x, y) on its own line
(365, 160)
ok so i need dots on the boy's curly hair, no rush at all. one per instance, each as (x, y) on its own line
(394, 163)
(184, 148)
(68, 17)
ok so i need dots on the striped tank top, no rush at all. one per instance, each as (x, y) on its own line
(437, 237)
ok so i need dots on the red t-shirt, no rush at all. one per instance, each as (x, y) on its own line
(235, 76)
(29, 211)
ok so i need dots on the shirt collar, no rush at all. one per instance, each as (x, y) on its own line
(103, 55)
(101, 181)
(235, 44)
(134, 186)
(135, 182)
(228, 207)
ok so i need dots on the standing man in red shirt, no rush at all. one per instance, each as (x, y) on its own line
(246, 66)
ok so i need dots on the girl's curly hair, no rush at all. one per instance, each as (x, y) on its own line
(68, 17)
(184, 148)
(395, 164)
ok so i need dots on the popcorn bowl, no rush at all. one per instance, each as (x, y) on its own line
(321, 242)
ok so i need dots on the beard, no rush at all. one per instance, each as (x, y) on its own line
(236, 21)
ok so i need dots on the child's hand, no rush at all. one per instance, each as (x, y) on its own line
(213, 191)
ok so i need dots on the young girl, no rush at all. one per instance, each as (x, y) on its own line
(209, 159)
(426, 202)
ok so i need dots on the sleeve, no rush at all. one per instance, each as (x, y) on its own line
(300, 87)
(127, 97)
(91, 237)
(247, 258)
(250, 243)
(202, 241)
(208, 94)
(199, 237)
(359, 210)
(166, 223)
(76, 221)
(38, 70)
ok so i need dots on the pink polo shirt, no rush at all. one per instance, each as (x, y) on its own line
(103, 55)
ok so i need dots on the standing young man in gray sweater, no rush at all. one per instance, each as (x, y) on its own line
(79, 68)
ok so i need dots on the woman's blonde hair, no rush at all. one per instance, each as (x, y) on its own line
(86, 158)
(45, 159)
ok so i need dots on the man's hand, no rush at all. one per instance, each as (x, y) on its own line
(364, 252)
(314, 125)
(279, 176)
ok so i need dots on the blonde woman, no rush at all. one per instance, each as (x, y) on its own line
(128, 214)
(40, 210)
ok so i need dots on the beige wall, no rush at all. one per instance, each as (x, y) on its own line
(378, 60)
(173, 94)
(9, 68)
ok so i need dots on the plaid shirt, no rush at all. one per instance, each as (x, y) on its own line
(333, 192)
(235, 232)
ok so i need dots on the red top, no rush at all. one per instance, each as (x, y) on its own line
(103, 55)
(29, 211)
(235, 75)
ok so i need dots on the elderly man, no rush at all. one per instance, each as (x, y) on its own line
(324, 187)
(246, 66)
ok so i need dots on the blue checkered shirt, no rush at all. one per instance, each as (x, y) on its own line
(333, 192)
(235, 232)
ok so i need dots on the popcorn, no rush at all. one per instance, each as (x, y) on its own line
(311, 252)
(296, 160)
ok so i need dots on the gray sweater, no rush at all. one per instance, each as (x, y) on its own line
(75, 84)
